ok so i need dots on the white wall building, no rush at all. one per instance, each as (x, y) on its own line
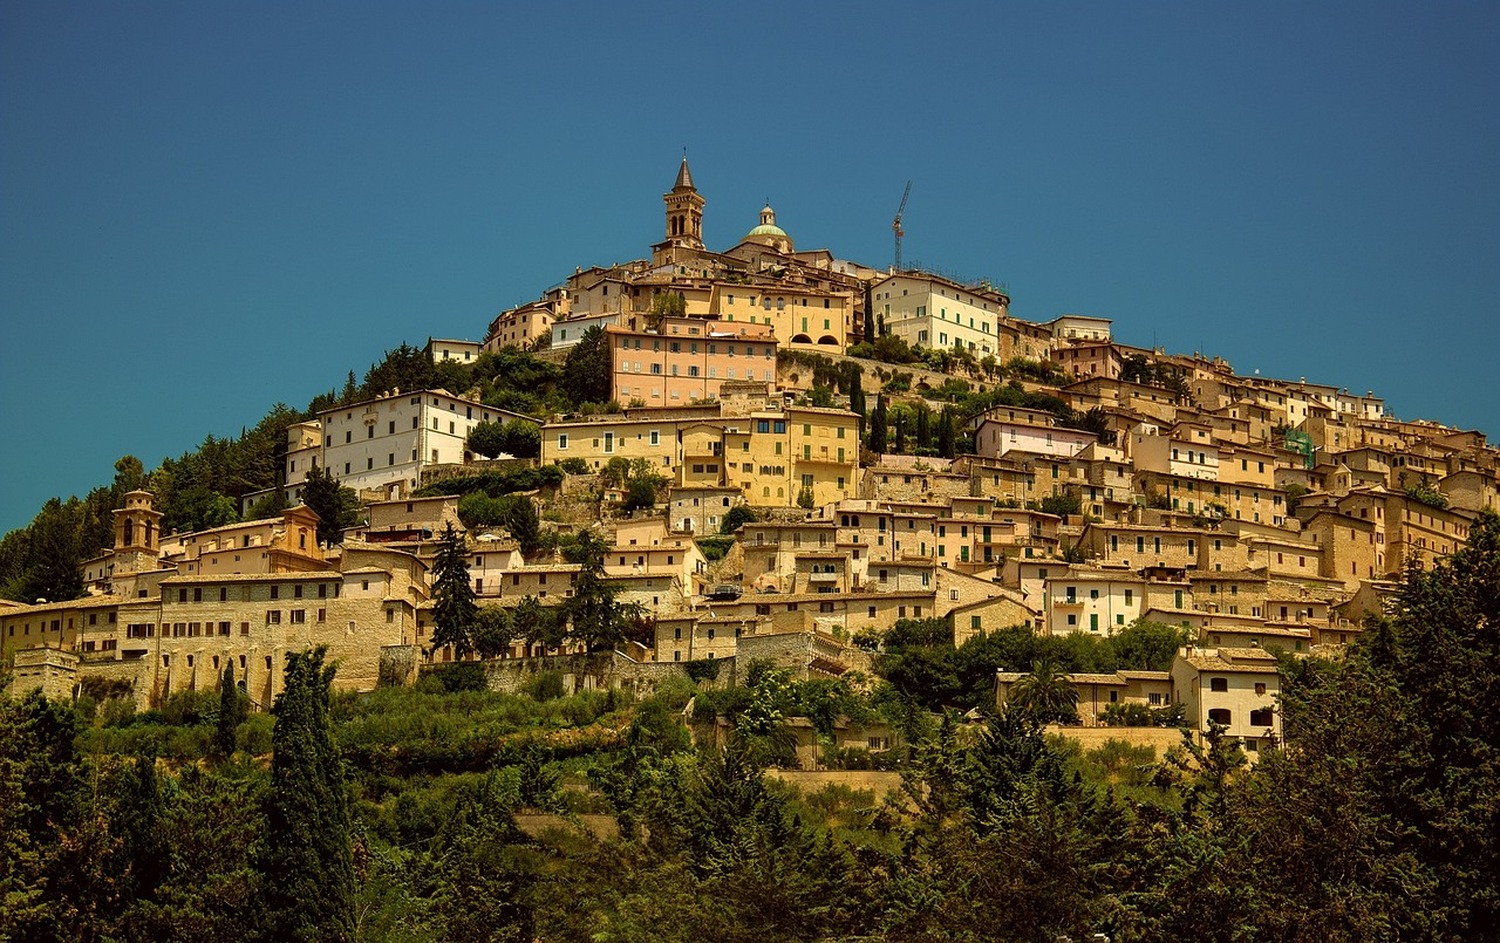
(567, 333)
(929, 311)
(1099, 603)
(389, 440)
(995, 437)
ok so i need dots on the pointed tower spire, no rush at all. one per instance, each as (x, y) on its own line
(684, 177)
(684, 210)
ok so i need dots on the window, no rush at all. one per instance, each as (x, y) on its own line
(1220, 715)
(1260, 688)
(1218, 684)
(1261, 717)
(562, 442)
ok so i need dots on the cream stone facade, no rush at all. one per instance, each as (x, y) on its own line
(997, 435)
(177, 626)
(687, 360)
(1235, 687)
(440, 350)
(521, 327)
(930, 311)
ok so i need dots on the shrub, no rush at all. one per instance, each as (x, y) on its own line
(546, 686)
(460, 676)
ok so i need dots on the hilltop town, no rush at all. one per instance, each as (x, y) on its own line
(774, 454)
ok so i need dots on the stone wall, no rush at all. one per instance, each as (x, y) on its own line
(595, 671)
(51, 669)
(1159, 739)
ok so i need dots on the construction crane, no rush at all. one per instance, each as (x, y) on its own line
(896, 223)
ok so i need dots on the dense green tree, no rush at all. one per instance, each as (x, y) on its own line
(485, 873)
(1380, 819)
(52, 558)
(736, 517)
(587, 371)
(947, 441)
(924, 428)
(900, 421)
(538, 624)
(856, 392)
(337, 507)
(639, 495)
(523, 439)
(43, 807)
(1148, 646)
(403, 368)
(454, 612)
(1045, 694)
(272, 504)
(494, 630)
(309, 891)
(1096, 420)
(487, 439)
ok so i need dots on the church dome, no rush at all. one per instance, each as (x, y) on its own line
(768, 233)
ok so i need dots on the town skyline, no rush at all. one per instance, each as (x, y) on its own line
(205, 236)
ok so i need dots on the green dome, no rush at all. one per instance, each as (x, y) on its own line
(768, 229)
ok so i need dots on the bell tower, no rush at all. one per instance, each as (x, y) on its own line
(137, 533)
(684, 211)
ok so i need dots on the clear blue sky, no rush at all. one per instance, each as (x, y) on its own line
(209, 207)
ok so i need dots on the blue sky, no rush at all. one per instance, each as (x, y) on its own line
(209, 208)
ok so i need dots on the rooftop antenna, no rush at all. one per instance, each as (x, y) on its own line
(896, 223)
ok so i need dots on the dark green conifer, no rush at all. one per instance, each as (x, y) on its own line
(309, 874)
(455, 613)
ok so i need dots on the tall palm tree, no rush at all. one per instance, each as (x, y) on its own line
(1046, 694)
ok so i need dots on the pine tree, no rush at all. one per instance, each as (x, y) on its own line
(524, 525)
(877, 426)
(598, 620)
(454, 613)
(586, 373)
(307, 862)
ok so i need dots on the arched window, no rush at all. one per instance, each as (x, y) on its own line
(129, 532)
(1219, 715)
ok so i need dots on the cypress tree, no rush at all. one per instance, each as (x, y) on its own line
(945, 435)
(307, 861)
(877, 426)
(455, 613)
(231, 714)
(924, 427)
(144, 843)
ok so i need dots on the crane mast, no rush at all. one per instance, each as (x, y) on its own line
(896, 223)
